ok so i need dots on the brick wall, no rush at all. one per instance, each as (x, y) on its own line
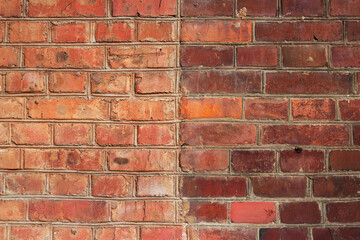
(179, 119)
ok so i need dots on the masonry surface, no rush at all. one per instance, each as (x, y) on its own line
(179, 119)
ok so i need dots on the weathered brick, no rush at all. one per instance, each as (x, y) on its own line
(346, 56)
(336, 186)
(156, 135)
(196, 211)
(10, 158)
(204, 160)
(12, 210)
(352, 32)
(197, 8)
(302, 161)
(256, 56)
(31, 232)
(109, 233)
(73, 233)
(266, 108)
(70, 32)
(345, 8)
(227, 233)
(309, 8)
(73, 134)
(163, 233)
(253, 161)
(155, 82)
(60, 82)
(112, 83)
(335, 233)
(343, 212)
(209, 56)
(305, 56)
(283, 233)
(4, 133)
(157, 31)
(115, 32)
(68, 184)
(344, 160)
(25, 82)
(350, 110)
(275, 187)
(25, 183)
(31, 133)
(258, 8)
(253, 212)
(28, 32)
(356, 135)
(159, 211)
(144, 8)
(111, 185)
(115, 135)
(10, 8)
(300, 212)
(313, 109)
(155, 186)
(9, 57)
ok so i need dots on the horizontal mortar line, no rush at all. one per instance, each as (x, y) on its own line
(273, 225)
(83, 95)
(270, 19)
(271, 147)
(91, 70)
(115, 122)
(82, 147)
(95, 172)
(89, 198)
(268, 199)
(270, 122)
(90, 44)
(107, 223)
(271, 43)
(100, 19)
(269, 69)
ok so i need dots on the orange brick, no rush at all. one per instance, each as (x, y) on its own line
(110, 233)
(31, 133)
(67, 82)
(115, 32)
(32, 82)
(72, 233)
(25, 183)
(113, 83)
(10, 8)
(111, 185)
(11, 108)
(28, 32)
(4, 133)
(155, 186)
(156, 135)
(68, 184)
(73, 134)
(155, 82)
(115, 135)
(31, 232)
(10, 158)
(70, 32)
(12, 210)
(157, 31)
(144, 8)
(9, 57)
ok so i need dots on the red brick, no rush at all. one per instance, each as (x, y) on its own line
(72, 233)
(4, 133)
(308, 8)
(356, 135)
(325, 135)
(144, 8)
(344, 160)
(20, 82)
(266, 56)
(313, 109)
(31, 133)
(303, 161)
(220, 82)
(304, 83)
(2, 31)
(154, 82)
(142, 160)
(114, 83)
(73, 134)
(266, 108)
(204, 160)
(115, 32)
(163, 233)
(156, 135)
(350, 110)
(300, 212)
(348, 56)
(25, 183)
(336, 186)
(70, 32)
(3, 232)
(157, 31)
(283, 233)
(340, 233)
(28, 32)
(142, 57)
(159, 211)
(31, 232)
(68, 108)
(115, 135)
(343, 212)
(194, 212)
(68, 211)
(205, 108)
(155, 186)
(9, 57)
(146, 109)
(216, 31)
(209, 56)
(197, 8)
(305, 56)
(109, 233)
(68, 184)
(10, 158)
(59, 8)
(352, 32)
(258, 8)
(227, 233)
(12, 210)
(61, 57)
(345, 8)
(323, 31)
(213, 187)
(60, 82)
(10, 8)
(253, 212)
(277, 187)
(110, 185)
(217, 134)
(253, 161)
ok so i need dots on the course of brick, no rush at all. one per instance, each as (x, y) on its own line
(179, 119)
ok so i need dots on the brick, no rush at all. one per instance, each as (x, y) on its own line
(213, 187)
(195, 212)
(303, 83)
(67, 211)
(144, 8)
(216, 31)
(345, 8)
(68, 184)
(4, 133)
(336, 186)
(10, 158)
(12, 210)
(142, 160)
(159, 211)
(253, 212)
(323, 135)
(72, 233)
(29, 82)
(157, 31)
(60, 82)
(68, 108)
(211, 56)
(344, 160)
(61, 57)
(217, 134)
(352, 32)
(73, 134)
(25, 183)
(323, 31)
(258, 8)
(309, 8)
(253, 161)
(155, 82)
(59, 8)
(350, 110)
(28, 32)
(9, 57)
(343, 212)
(112, 83)
(155, 186)
(356, 135)
(31, 133)
(300, 212)
(279, 187)
(70, 32)
(346, 56)
(204, 160)
(31, 232)
(163, 233)
(109, 233)
(115, 135)
(111, 185)
(340, 233)
(266, 108)
(220, 82)
(197, 8)
(207, 108)
(153, 109)
(313, 109)
(305, 56)
(2, 31)
(256, 56)
(283, 233)
(303, 161)
(115, 32)
(156, 135)
(142, 57)
(227, 233)
(10, 8)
